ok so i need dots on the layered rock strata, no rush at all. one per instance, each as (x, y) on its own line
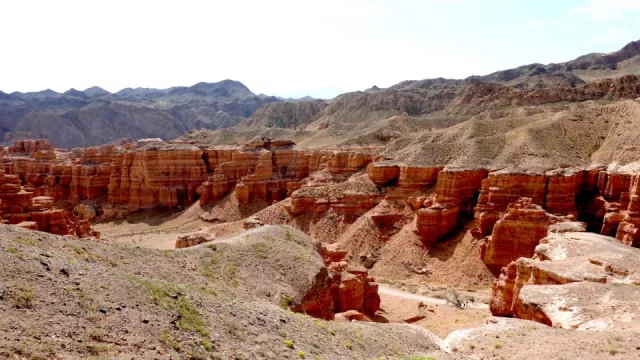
(437, 215)
(347, 289)
(571, 282)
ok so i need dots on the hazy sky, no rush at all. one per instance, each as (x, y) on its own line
(297, 47)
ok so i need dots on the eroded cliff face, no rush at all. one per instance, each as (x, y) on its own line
(570, 282)
(115, 180)
(21, 206)
(344, 290)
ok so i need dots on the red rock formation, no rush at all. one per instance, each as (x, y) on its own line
(383, 172)
(156, 175)
(345, 289)
(30, 146)
(568, 279)
(194, 239)
(516, 234)
(20, 205)
(455, 192)
(416, 177)
(352, 198)
(501, 188)
(629, 230)
(562, 187)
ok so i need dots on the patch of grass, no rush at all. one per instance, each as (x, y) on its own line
(104, 286)
(288, 236)
(168, 339)
(612, 350)
(497, 345)
(285, 301)
(77, 249)
(171, 298)
(301, 354)
(332, 332)
(97, 349)
(11, 250)
(260, 250)
(348, 345)
(96, 334)
(213, 247)
(207, 270)
(87, 301)
(319, 324)
(25, 241)
(288, 343)
(24, 298)
(206, 343)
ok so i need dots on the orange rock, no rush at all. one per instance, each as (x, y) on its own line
(516, 234)
(167, 175)
(500, 189)
(455, 192)
(629, 229)
(30, 146)
(382, 173)
(562, 187)
(415, 177)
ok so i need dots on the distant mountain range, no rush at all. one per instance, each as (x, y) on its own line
(95, 116)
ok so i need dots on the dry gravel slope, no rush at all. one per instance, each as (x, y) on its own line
(71, 299)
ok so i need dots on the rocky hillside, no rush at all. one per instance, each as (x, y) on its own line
(293, 115)
(440, 110)
(225, 301)
(95, 116)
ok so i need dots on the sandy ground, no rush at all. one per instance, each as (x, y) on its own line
(430, 313)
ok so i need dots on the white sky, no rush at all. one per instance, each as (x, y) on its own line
(294, 47)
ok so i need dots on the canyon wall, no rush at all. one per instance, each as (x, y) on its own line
(115, 180)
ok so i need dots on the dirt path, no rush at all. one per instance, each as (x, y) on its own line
(427, 300)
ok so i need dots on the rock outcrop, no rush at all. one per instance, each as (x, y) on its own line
(500, 189)
(348, 289)
(437, 215)
(189, 240)
(516, 234)
(21, 206)
(571, 282)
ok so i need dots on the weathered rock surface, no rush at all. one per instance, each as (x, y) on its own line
(516, 234)
(500, 189)
(574, 280)
(438, 214)
(194, 239)
(350, 289)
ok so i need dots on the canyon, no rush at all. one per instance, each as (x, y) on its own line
(492, 207)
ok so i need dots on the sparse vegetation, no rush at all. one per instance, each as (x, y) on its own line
(213, 247)
(348, 345)
(172, 298)
(260, 250)
(96, 334)
(25, 241)
(288, 343)
(454, 298)
(301, 354)
(285, 301)
(24, 298)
